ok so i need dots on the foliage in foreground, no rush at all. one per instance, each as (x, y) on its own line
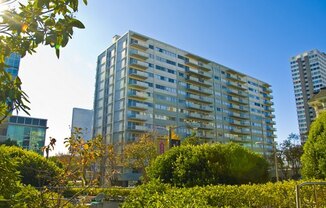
(35, 22)
(33, 168)
(189, 165)
(314, 156)
(280, 194)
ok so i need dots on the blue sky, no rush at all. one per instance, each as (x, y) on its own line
(255, 37)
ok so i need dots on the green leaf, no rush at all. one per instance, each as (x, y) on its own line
(57, 52)
(85, 2)
(77, 23)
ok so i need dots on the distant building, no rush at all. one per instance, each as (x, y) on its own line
(318, 101)
(309, 76)
(12, 66)
(82, 118)
(12, 63)
(28, 132)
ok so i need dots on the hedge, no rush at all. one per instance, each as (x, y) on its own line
(280, 194)
(114, 193)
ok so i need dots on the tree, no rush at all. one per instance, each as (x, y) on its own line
(34, 169)
(49, 147)
(9, 176)
(38, 22)
(192, 140)
(314, 151)
(140, 154)
(82, 154)
(189, 165)
(290, 154)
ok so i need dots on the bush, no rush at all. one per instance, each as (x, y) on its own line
(9, 177)
(280, 194)
(110, 193)
(34, 169)
(188, 166)
(314, 151)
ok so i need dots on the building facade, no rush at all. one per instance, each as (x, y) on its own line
(12, 66)
(146, 85)
(82, 118)
(28, 132)
(309, 76)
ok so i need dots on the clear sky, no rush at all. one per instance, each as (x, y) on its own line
(255, 37)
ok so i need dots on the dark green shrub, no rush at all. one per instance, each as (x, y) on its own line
(188, 166)
(34, 169)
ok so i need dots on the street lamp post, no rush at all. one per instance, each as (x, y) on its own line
(275, 158)
(275, 161)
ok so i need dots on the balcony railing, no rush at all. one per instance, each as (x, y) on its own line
(138, 117)
(138, 84)
(198, 73)
(194, 64)
(139, 45)
(138, 74)
(139, 106)
(138, 64)
(201, 99)
(137, 94)
(137, 128)
(138, 55)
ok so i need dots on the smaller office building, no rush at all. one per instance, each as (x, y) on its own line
(28, 132)
(82, 118)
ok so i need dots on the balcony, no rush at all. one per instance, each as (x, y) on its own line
(206, 126)
(137, 95)
(138, 128)
(203, 108)
(237, 100)
(239, 123)
(138, 64)
(201, 99)
(139, 45)
(235, 78)
(197, 81)
(138, 117)
(198, 65)
(238, 108)
(237, 92)
(198, 73)
(235, 85)
(238, 115)
(200, 116)
(138, 55)
(199, 90)
(138, 84)
(206, 135)
(239, 131)
(137, 74)
(137, 106)
(268, 102)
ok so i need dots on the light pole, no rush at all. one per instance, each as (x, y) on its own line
(275, 158)
(275, 161)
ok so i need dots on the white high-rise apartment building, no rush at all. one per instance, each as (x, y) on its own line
(143, 84)
(309, 75)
